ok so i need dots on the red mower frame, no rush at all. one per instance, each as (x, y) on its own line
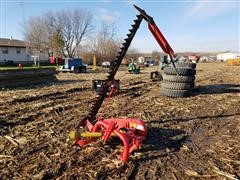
(131, 131)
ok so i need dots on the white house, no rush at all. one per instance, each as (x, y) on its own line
(13, 51)
(226, 56)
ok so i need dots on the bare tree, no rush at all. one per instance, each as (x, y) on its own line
(156, 55)
(57, 44)
(86, 53)
(36, 34)
(105, 45)
(133, 53)
(74, 26)
(71, 26)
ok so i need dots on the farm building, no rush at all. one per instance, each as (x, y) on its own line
(13, 51)
(203, 59)
(141, 59)
(226, 56)
(193, 58)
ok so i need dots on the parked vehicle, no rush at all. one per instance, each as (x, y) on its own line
(75, 65)
(106, 64)
(149, 63)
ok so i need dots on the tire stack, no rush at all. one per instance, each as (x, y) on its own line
(180, 83)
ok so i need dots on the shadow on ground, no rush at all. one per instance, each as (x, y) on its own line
(204, 117)
(217, 89)
(159, 143)
(35, 85)
(160, 138)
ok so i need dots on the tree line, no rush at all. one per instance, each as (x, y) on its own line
(72, 33)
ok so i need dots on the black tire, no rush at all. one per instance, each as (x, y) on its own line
(175, 93)
(94, 85)
(181, 79)
(194, 65)
(185, 64)
(76, 70)
(176, 86)
(192, 84)
(83, 69)
(180, 71)
(137, 71)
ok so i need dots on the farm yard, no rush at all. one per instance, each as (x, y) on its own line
(188, 138)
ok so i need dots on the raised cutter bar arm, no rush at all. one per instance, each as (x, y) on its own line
(117, 62)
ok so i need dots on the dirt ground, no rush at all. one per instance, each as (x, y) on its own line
(189, 138)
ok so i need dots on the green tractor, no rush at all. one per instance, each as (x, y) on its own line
(133, 69)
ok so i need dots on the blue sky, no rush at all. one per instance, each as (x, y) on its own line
(187, 25)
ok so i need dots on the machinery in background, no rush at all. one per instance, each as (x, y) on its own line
(133, 69)
(157, 75)
(97, 85)
(74, 65)
(234, 62)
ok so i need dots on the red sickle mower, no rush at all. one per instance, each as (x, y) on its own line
(129, 130)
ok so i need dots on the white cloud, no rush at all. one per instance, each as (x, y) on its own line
(102, 10)
(116, 13)
(205, 9)
(108, 16)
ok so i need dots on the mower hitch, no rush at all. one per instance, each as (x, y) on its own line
(130, 131)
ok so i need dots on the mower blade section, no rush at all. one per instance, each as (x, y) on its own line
(115, 65)
(148, 18)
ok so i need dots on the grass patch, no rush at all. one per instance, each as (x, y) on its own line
(25, 67)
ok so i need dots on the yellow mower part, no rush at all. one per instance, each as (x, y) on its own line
(74, 135)
(91, 134)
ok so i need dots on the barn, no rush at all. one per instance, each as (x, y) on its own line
(226, 56)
